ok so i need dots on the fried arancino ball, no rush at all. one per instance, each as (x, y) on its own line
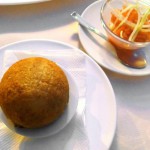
(34, 92)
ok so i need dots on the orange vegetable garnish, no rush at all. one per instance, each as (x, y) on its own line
(124, 31)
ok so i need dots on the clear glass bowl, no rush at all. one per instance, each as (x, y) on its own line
(118, 42)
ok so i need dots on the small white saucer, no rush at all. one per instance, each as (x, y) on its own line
(100, 50)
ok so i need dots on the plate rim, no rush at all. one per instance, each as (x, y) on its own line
(22, 3)
(108, 68)
(99, 69)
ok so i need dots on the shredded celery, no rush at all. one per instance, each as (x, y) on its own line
(139, 26)
(123, 21)
(135, 28)
(142, 24)
(120, 17)
(121, 34)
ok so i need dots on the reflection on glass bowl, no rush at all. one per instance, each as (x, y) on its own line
(122, 11)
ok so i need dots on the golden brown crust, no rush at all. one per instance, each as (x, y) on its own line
(34, 92)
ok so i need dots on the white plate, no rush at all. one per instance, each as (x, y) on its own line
(19, 2)
(100, 114)
(57, 125)
(100, 50)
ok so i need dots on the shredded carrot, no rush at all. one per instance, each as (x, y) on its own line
(124, 31)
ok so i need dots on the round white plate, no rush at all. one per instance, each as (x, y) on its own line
(99, 122)
(19, 2)
(100, 50)
(58, 124)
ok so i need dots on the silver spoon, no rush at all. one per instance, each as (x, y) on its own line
(133, 59)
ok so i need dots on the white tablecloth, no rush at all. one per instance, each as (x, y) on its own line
(51, 20)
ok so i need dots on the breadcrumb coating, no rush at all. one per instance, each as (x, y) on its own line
(34, 92)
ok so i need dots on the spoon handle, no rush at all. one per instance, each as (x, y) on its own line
(85, 24)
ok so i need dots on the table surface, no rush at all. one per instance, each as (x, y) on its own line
(51, 20)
